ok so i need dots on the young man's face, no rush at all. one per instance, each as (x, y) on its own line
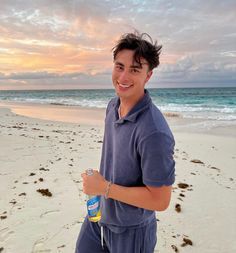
(129, 78)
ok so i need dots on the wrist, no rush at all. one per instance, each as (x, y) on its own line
(107, 189)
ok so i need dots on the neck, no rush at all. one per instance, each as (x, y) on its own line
(126, 105)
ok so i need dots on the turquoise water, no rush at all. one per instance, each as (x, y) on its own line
(208, 103)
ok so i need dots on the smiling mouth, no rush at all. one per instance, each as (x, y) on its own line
(124, 85)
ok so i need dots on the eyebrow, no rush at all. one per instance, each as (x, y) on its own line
(132, 66)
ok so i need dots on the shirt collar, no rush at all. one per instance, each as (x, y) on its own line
(135, 111)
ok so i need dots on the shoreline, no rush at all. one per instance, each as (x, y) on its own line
(96, 116)
(57, 113)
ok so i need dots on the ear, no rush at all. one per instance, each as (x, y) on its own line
(149, 74)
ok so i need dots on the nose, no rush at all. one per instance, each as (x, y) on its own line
(124, 77)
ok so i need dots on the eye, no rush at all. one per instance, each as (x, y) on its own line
(134, 70)
(118, 67)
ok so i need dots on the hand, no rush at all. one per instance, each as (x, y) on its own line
(94, 184)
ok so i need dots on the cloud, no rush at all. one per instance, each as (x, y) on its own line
(29, 75)
(46, 80)
(51, 41)
(189, 71)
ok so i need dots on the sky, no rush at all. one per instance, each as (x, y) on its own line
(60, 44)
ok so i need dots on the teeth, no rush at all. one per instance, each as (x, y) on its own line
(124, 85)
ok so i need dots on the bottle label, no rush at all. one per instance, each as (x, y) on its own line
(93, 205)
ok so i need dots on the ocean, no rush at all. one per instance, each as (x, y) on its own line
(218, 104)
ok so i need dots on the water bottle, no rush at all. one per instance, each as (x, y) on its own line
(93, 204)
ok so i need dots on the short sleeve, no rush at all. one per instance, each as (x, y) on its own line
(157, 163)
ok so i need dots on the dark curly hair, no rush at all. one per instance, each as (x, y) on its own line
(142, 48)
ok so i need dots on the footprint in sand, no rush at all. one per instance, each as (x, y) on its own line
(5, 233)
(220, 179)
(49, 212)
(38, 246)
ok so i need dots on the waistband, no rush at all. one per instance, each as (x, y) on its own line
(121, 229)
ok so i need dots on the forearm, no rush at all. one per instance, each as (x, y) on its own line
(147, 197)
(141, 196)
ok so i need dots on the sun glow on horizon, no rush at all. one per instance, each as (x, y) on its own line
(70, 44)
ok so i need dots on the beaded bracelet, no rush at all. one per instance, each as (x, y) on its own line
(107, 190)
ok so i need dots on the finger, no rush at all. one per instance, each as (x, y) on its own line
(96, 172)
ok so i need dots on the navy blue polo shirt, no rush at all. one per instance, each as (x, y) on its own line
(137, 150)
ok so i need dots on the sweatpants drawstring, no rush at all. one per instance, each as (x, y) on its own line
(102, 237)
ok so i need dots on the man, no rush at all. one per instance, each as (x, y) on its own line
(137, 166)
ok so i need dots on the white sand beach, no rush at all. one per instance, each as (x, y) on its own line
(43, 151)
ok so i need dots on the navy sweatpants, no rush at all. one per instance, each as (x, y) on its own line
(132, 240)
